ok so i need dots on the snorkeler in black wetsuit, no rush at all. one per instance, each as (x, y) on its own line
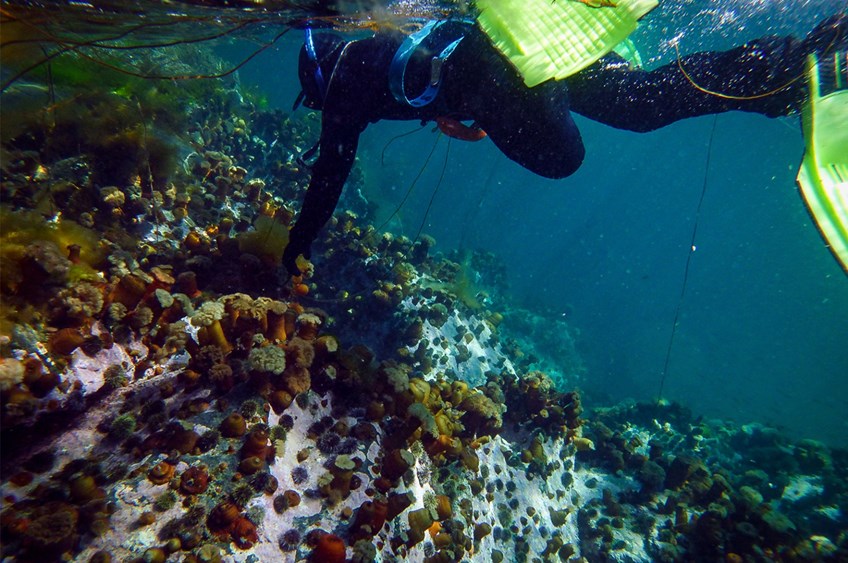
(349, 82)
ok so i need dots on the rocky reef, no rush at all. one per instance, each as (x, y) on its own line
(168, 394)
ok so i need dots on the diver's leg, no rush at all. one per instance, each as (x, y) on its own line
(535, 129)
(763, 76)
(531, 126)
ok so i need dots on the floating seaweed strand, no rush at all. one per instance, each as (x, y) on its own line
(223, 74)
(68, 46)
(357, 21)
(71, 47)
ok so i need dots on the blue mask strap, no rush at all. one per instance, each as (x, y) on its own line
(397, 70)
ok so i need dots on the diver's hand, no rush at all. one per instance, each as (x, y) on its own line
(828, 37)
(297, 245)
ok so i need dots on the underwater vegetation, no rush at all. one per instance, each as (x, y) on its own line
(167, 394)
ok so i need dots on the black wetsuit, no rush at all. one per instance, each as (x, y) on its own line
(534, 126)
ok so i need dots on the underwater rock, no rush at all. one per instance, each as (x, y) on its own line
(416, 430)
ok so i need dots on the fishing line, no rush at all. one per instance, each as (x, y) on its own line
(435, 191)
(688, 260)
(412, 185)
(471, 216)
(724, 96)
(395, 138)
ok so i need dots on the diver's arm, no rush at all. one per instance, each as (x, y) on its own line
(763, 76)
(339, 140)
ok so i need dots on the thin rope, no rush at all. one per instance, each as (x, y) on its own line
(412, 185)
(722, 95)
(730, 96)
(395, 138)
(435, 191)
(688, 261)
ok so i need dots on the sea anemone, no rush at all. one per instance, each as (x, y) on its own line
(206, 357)
(369, 519)
(161, 473)
(194, 480)
(64, 341)
(256, 443)
(80, 301)
(300, 352)
(308, 325)
(396, 463)
(251, 465)
(244, 533)
(482, 416)
(297, 380)
(271, 359)
(233, 426)
(208, 318)
(52, 529)
(11, 373)
(222, 376)
(280, 400)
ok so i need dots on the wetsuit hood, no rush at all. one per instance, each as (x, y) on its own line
(318, 58)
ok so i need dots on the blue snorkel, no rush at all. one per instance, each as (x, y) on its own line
(310, 51)
(315, 67)
(315, 85)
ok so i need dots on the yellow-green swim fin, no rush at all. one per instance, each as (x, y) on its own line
(555, 38)
(823, 177)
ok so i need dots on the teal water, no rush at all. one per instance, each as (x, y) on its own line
(762, 328)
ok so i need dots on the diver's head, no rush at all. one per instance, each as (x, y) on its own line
(318, 58)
